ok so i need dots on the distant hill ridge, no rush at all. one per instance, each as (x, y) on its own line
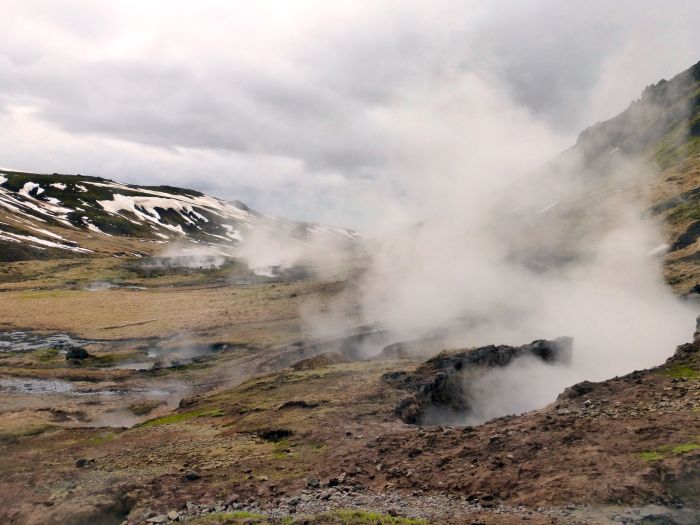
(57, 215)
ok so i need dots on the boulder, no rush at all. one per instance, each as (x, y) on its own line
(76, 353)
(442, 382)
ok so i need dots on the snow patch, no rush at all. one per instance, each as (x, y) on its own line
(29, 187)
(41, 242)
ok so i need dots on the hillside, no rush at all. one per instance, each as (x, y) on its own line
(663, 128)
(48, 216)
(646, 159)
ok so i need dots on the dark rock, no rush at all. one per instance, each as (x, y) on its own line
(298, 403)
(84, 463)
(192, 475)
(76, 353)
(687, 238)
(312, 482)
(275, 434)
(441, 383)
(577, 390)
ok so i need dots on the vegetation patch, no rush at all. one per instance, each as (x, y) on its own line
(46, 354)
(668, 451)
(229, 518)
(180, 417)
(102, 438)
(13, 436)
(681, 372)
(359, 517)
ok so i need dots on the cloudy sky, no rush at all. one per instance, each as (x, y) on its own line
(317, 110)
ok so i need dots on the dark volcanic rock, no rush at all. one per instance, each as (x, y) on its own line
(74, 353)
(441, 381)
(192, 476)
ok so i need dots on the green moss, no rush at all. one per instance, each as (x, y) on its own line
(359, 517)
(650, 455)
(684, 447)
(180, 417)
(681, 372)
(281, 450)
(102, 438)
(668, 451)
(228, 518)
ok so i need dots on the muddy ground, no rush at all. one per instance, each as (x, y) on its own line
(246, 427)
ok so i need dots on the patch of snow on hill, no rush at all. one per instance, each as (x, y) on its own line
(47, 233)
(15, 237)
(29, 187)
(145, 208)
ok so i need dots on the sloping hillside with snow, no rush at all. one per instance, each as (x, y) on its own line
(44, 216)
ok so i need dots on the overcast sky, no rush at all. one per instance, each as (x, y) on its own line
(301, 108)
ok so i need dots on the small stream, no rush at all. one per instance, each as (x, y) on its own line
(28, 340)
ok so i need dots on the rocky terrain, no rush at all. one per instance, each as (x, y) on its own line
(141, 388)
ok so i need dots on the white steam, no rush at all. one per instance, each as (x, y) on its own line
(489, 247)
(181, 255)
(280, 245)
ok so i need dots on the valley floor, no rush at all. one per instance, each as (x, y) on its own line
(248, 429)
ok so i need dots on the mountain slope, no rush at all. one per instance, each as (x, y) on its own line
(43, 216)
(663, 128)
(647, 159)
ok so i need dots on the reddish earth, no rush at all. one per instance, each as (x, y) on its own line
(633, 440)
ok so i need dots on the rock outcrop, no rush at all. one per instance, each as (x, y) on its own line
(442, 382)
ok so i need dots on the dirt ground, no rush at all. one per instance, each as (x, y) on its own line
(241, 443)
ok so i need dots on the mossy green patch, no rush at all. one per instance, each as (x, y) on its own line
(359, 517)
(668, 451)
(102, 438)
(650, 455)
(681, 372)
(283, 450)
(228, 518)
(180, 417)
(684, 447)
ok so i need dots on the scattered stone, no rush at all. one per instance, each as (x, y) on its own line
(76, 353)
(312, 482)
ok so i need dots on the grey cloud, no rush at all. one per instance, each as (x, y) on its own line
(325, 96)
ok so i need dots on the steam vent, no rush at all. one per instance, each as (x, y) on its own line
(442, 383)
